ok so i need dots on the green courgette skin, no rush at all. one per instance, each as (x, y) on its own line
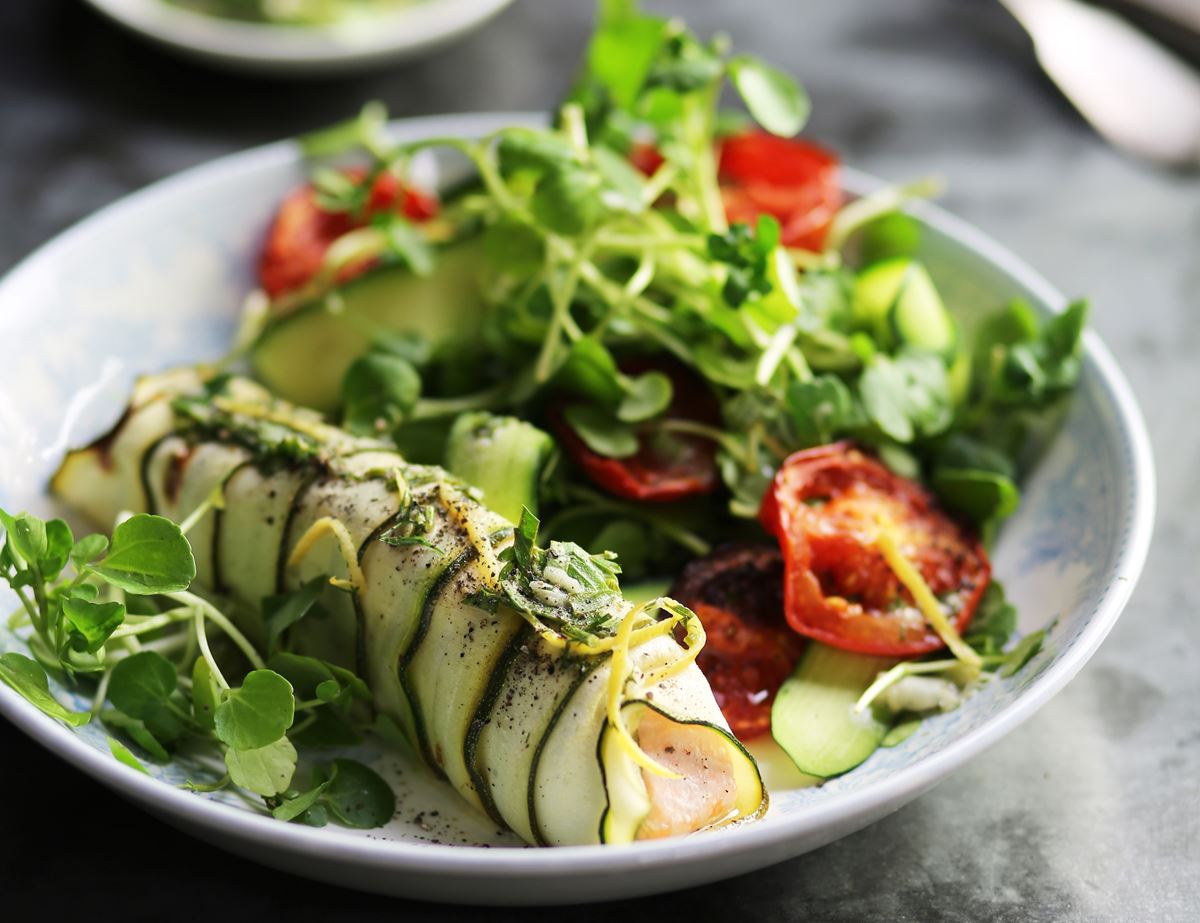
(303, 355)
(489, 704)
(813, 718)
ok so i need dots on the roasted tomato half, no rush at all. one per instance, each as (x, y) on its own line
(737, 591)
(793, 180)
(302, 232)
(826, 506)
(667, 466)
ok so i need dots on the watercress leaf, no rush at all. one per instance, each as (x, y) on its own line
(747, 253)
(28, 679)
(329, 690)
(590, 371)
(600, 432)
(337, 191)
(405, 244)
(1025, 650)
(532, 149)
(85, 591)
(59, 542)
(316, 816)
(142, 684)
(91, 623)
(293, 807)
(514, 247)
(407, 344)
(257, 712)
(349, 680)
(344, 136)
(27, 534)
(266, 770)
(994, 622)
(357, 796)
(900, 460)
(686, 66)
(982, 496)
(567, 200)
(960, 450)
(327, 727)
(623, 49)
(882, 389)
(628, 540)
(304, 673)
(623, 184)
(647, 396)
(822, 408)
(284, 610)
(140, 605)
(206, 694)
(148, 555)
(776, 101)
(137, 732)
(379, 390)
(122, 755)
(169, 722)
(907, 395)
(88, 549)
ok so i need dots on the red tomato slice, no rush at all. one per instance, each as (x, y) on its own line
(667, 466)
(645, 157)
(737, 591)
(795, 181)
(824, 507)
(302, 232)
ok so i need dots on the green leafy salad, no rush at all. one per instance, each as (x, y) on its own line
(291, 12)
(652, 340)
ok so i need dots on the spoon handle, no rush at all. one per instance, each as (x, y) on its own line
(1134, 91)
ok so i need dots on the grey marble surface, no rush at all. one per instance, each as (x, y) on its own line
(1089, 812)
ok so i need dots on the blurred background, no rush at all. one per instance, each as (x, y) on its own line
(1090, 811)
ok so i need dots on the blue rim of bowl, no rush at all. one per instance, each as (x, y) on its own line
(840, 810)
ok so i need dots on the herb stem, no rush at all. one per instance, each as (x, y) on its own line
(431, 407)
(208, 610)
(151, 623)
(206, 652)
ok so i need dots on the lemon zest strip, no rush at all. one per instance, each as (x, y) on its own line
(618, 676)
(908, 574)
(345, 545)
(481, 543)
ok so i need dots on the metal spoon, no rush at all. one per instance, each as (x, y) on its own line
(1135, 92)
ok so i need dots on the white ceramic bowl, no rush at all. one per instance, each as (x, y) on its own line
(407, 32)
(157, 279)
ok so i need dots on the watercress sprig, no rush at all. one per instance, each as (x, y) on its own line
(118, 616)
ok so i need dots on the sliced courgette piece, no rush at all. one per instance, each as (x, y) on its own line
(256, 505)
(360, 503)
(567, 795)
(183, 477)
(458, 649)
(303, 355)
(501, 456)
(533, 690)
(399, 581)
(106, 477)
(897, 300)
(813, 718)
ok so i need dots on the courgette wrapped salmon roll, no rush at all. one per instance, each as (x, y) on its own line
(520, 674)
